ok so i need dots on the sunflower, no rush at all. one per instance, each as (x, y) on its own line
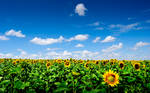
(111, 78)
(66, 60)
(105, 62)
(14, 62)
(136, 66)
(86, 65)
(75, 73)
(75, 61)
(67, 64)
(121, 64)
(81, 61)
(97, 62)
(59, 61)
(48, 64)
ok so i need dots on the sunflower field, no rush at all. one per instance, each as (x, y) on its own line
(74, 76)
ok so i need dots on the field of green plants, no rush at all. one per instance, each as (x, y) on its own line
(74, 76)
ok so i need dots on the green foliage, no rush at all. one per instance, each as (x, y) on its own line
(32, 76)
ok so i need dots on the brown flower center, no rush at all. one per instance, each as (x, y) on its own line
(137, 66)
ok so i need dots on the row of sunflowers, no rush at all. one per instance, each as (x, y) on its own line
(74, 76)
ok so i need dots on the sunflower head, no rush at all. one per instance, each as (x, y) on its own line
(111, 78)
(14, 62)
(74, 60)
(96, 62)
(136, 66)
(121, 65)
(105, 62)
(59, 61)
(67, 64)
(86, 65)
(81, 61)
(66, 60)
(48, 64)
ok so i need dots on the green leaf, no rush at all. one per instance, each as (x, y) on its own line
(1, 78)
(5, 82)
(130, 79)
(21, 85)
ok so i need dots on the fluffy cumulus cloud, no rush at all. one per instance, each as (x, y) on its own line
(80, 37)
(80, 9)
(12, 32)
(125, 28)
(113, 48)
(108, 39)
(97, 39)
(140, 44)
(79, 45)
(4, 38)
(46, 41)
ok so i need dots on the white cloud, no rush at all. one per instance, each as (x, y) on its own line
(86, 54)
(108, 39)
(79, 45)
(80, 9)
(52, 49)
(97, 39)
(66, 53)
(147, 21)
(99, 28)
(140, 44)
(80, 37)
(113, 48)
(4, 38)
(14, 33)
(124, 28)
(22, 52)
(53, 53)
(46, 41)
(110, 55)
(7, 55)
(130, 18)
(94, 24)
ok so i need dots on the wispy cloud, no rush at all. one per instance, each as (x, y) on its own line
(4, 38)
(131, 18)
(22, 52)
(52, 49)
(147, 21)
(94, 24)
(125, 28)
(140, 44)
(97, 39)
(79, 45)
(113, 48)
(6, 55)
(99, 28)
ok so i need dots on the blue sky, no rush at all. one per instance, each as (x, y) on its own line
(87, 29)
